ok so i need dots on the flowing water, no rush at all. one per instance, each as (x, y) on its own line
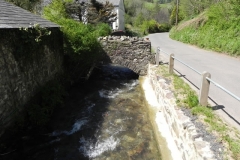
(104, 119)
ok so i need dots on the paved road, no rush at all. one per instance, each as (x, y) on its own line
(224, 70)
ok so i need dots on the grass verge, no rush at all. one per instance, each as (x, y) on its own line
(187, 97)
(216, 29)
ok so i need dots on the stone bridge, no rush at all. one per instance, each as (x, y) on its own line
(131, 52)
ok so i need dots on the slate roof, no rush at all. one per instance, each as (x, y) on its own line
(12, 16)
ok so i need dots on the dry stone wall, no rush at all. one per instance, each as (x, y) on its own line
(131, 52)
(188, 141)
(25, 66)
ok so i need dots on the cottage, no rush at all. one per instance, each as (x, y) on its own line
(26, 63)
(120, 10)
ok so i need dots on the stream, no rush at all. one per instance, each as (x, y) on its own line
(103, 119)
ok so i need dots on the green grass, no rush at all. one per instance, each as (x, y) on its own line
(207, 37)
(216, 29)
(188, 98)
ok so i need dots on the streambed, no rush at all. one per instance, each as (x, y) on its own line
(103, 119)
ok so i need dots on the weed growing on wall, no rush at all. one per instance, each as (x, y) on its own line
(36, 32)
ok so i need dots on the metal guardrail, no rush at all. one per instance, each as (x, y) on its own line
(181, 61)
(224, 89)
(206, 77)
(187, 65)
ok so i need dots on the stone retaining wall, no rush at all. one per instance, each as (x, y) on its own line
(25, 66)
(131, 52)
(183, 131)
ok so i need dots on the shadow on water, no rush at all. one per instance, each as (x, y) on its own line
(103, 118)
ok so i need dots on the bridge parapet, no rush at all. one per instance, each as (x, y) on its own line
(132, 52)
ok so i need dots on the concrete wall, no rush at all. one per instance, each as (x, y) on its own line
(132, 52)
(25, 66)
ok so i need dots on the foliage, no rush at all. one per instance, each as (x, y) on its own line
(128, 19)
(164, 27)
(30, 5)
(81, 37)
(216, 29)
(147, 16)
(56, 10)
(102, 29)
(152, 26)
(173, 16)
(131, 31)
(101, 13)
(191, 8)
(139, 20)
(164, 1)
(37, 31)
(81, 46)
(78, 37)
(191, 99)
(234, 146)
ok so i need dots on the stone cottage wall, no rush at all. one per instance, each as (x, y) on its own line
(25, 66)
(132, 52)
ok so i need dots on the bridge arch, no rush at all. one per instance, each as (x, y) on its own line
(131, 52)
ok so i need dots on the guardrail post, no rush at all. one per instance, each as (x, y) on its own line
(171, 63)
(204, 89)
(157, 56)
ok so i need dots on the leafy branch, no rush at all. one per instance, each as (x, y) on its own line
(37, 31)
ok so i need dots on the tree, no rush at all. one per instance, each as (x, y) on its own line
(99, 12)
(191, 8)
(175, 16)
(133, 7)
(30, 5)
(75, 10)
(92, 11)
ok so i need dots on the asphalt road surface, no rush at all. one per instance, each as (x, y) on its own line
(224, 70)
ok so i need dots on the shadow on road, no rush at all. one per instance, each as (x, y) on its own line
(184, 76)
(221, 107)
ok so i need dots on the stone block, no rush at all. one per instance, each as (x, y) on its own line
(131, 48)
(183, 131)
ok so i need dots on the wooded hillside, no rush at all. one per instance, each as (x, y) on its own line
(147, 16)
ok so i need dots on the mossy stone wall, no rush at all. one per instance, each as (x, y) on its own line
(26, 66)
